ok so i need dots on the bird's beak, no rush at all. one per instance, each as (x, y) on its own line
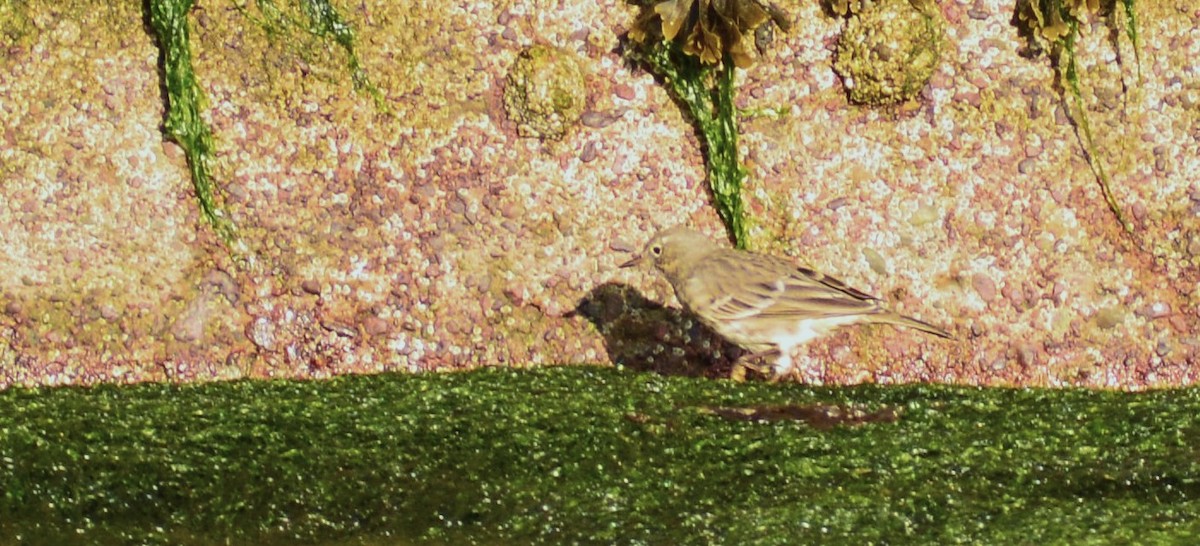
(635, 261)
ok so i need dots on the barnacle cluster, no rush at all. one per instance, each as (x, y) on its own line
(545, 94)
(887, 52)
(710, 30)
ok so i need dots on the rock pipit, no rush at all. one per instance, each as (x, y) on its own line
(766, 305)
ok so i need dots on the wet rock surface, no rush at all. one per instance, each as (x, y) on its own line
(431, 235)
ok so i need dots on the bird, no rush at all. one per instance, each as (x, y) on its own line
(765, 304)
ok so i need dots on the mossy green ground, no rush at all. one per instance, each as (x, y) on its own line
(592, 456)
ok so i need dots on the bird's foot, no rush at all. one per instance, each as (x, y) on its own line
(778, 376)
(747, 362)
(738, 373)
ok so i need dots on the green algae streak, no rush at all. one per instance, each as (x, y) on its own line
(185, 100)
(1053, 26)
(593, 456)
(321, 20)
(715, 116)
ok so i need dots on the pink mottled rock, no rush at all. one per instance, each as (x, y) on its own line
(376, 326)
(622, 245)
(109, 312)
(339, 327)
(189, 326)
(984, 286)
(589, 153)
(13, 308)
(261, 332)
(350, 213)
(598, 120)
(624, 91)
(1139, 211)
(970, 97)
(224, 284)
(1154, 310)
(311, 286)
(1014, 295)
(622, 164)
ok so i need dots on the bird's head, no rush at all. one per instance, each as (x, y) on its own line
(674, 249)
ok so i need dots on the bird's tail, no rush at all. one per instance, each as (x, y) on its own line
(896, 319)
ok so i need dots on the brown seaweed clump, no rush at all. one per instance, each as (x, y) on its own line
(709, 30)
(846, 8)
(1046, 24)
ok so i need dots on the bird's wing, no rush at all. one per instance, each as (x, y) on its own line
(732, 285)
(804, 275)
(813, 294)
(724, 287)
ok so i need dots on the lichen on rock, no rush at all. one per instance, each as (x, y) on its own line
(887, 52)
(545, 95)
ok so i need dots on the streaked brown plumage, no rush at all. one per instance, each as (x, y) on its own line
(763, 303)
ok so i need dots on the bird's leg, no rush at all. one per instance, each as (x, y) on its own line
(783, 366)
(738, 374)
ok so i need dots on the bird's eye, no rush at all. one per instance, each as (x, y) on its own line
(656, 250)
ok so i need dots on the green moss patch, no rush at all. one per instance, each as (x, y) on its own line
(594, 455)
(15, 22)
(694, 47)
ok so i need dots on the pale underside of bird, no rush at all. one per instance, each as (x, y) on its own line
(765, 304)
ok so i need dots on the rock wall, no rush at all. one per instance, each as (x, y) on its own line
(426, 232)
